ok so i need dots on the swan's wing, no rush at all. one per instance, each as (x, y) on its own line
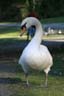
(44, 49)
(45, 56)
(45, 52)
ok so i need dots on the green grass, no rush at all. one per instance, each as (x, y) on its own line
(9, 32)
(55, 81)
(13, 32)
(55, 88)
(53, 20)
(54, 37)
(18, 87)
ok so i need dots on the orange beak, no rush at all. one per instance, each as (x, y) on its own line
(23, 31)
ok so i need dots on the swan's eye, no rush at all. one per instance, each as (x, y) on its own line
(33, 26)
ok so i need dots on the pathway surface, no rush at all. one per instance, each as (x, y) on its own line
(46, 26)
(7, 77)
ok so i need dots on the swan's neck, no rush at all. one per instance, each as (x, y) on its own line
(38, 35)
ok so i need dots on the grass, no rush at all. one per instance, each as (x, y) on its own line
(13, 32)
(55, 88)
(53, 20)
(16, 85)
(9, 32)
(54, 37)
(55, 82)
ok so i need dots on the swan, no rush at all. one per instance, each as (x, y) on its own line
(35, 55)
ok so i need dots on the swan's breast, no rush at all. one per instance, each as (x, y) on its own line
(36, 58)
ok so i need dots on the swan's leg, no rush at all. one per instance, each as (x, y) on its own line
(46, 80)
(27, 81)
(46, 73)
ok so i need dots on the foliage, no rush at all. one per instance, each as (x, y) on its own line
(50, 8)
(10, 9)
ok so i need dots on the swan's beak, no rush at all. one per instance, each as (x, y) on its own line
(23, 30)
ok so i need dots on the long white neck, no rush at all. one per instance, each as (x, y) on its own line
(38, 34)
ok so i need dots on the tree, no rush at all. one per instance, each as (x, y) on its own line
(44, 8)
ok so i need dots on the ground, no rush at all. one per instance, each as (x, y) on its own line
(12, 80)
(7, 75)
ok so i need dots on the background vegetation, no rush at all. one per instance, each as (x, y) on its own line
(12, 10)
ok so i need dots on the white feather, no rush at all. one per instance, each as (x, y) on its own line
(35, 55)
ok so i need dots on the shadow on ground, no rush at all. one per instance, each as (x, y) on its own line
(9, 80)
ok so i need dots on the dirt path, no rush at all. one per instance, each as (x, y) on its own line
(7, 77)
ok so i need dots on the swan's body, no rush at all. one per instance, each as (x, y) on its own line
(35, 55)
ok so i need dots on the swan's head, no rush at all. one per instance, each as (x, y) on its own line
(28, 22)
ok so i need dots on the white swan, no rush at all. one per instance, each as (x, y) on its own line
(35, 55)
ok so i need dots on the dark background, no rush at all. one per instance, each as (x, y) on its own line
(11, 10)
